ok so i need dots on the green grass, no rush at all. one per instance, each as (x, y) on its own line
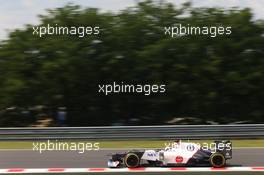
(127, 144)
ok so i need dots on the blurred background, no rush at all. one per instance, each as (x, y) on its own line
(53, 80)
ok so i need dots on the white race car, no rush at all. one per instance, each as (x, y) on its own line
(179, 154)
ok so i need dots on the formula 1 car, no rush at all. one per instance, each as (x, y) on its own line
(177, 154)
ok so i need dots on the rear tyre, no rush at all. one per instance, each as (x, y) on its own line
(132, 160)
(217, 160)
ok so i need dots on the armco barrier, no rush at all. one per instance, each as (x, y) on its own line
(245, 131)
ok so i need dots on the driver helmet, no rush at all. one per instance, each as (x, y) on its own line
(176, 143)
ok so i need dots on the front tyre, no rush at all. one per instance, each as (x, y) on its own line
(131, 160)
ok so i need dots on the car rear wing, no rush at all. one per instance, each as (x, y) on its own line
(224, 147)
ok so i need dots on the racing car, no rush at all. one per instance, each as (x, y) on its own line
(178, 154)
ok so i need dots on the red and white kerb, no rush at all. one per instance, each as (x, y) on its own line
(94, 170)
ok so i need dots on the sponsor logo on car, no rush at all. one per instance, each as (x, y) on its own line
(152, 154)
(179, 159)
(190, 147)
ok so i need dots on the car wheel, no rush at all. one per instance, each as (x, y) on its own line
(132, 160)
(217, 160)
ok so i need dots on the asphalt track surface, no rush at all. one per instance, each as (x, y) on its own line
(91, 159)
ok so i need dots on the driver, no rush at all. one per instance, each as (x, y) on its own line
(176, 143)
